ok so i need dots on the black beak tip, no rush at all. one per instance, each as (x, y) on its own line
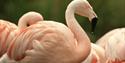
(94, 22)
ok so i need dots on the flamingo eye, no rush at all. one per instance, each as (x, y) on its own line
(28, 25)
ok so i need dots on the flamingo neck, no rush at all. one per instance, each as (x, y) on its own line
(74, 25)
(80, 35)
(22, 24)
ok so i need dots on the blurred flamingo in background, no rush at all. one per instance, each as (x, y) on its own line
(49, 41)
(104, 39)
(114, 44)
(25, 21)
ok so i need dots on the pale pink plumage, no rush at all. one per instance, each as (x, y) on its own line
(12, 31)
(53, 42)
(114, 44)
(7, 33)
(9, 30)
(52, 38)
(103, 40)
(115, 47)
(29, 19)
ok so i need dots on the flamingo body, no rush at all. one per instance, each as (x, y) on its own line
(113, 43)
(103, 40)
(48, 36)
(10, 30)
(7, 33)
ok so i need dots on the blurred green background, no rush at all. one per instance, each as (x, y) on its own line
(111, 13)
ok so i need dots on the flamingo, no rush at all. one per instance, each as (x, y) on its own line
(114, 45)
(103, 40)
(96, 51)
(8, 29)
(7, 33)
(50, 41)
(25, 21)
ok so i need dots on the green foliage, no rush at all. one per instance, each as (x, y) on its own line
(110, 12)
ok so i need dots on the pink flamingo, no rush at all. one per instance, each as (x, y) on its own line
(9, 30)
(97, 53)
(103, 40)
(7, 33)
(115, 54)
(25, 21)
(49, 41)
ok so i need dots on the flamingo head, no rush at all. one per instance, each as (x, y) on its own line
(29, 19)
(85, 9)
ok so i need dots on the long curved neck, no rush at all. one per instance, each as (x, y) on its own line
(22, 24)
(80, 35)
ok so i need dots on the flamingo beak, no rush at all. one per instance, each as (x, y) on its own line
(93, 24)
